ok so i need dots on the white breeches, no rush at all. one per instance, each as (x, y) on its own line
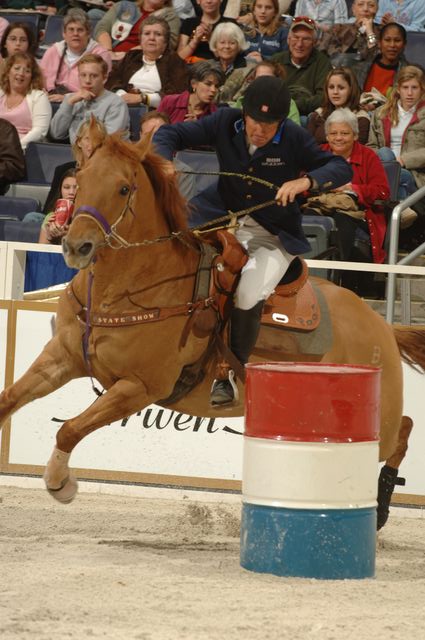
(267, 263)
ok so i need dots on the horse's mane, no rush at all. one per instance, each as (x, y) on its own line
(168, 196)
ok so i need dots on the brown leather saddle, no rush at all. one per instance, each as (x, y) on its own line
(293, 305)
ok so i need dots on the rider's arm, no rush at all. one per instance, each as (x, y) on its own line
(197, 133)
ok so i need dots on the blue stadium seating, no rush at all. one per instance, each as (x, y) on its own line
(13, 210)
(415, 47)
(135, 114)
(33, 19)
(42, 158)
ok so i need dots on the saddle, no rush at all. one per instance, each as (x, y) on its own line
(293, 304)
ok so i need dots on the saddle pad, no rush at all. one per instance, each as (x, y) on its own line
(301, 311)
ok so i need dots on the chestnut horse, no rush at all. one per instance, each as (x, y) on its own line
(129, 237)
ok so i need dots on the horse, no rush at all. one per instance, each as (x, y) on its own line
(137, 259)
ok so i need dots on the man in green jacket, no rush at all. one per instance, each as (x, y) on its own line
(306, 67)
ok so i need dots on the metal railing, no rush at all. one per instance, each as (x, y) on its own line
(393, 250)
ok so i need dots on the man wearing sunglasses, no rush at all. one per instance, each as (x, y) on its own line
(260, 143)
(306, 67)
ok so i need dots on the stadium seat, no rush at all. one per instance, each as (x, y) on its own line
(393, 170)
(135, 114)
(200, 161)
(52, 33)
(16, 208)
(13, 210)
(415, 47)
(18, 231)
(23, 190)
(32, 19)
(42, 158)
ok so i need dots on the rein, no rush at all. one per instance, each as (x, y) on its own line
(110, 233)
(115, 241)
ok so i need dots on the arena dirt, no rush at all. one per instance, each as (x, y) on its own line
(136, 569)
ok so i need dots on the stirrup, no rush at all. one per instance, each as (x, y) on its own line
(225, 390)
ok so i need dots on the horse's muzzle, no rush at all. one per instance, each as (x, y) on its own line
(78, 254)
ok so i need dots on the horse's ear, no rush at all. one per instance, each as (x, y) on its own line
(144, 145)
(93, 126)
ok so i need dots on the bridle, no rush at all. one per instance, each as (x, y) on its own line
(109, 231)
(111, 235)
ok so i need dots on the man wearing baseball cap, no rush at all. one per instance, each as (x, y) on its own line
(306, 67)
(260, 143)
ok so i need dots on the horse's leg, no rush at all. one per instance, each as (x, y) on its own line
(389, 472)
(125, 397)
(51, 370)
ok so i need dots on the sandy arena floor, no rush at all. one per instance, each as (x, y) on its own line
(125, 568)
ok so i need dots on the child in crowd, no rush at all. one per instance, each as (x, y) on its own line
(264, 32)
(341, 90)
(397, 130)
(56, 223)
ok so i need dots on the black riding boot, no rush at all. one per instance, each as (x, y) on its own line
(244, 329)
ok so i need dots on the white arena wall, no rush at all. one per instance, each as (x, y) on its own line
(157, 447)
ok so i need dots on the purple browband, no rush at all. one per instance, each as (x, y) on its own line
(96, 214)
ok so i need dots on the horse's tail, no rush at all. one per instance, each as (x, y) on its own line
(411, 344)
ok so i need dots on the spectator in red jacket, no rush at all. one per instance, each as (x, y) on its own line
(369, 183)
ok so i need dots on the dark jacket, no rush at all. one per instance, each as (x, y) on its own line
(307, 82)
(172, 71)
(12, 161)
(291, 152)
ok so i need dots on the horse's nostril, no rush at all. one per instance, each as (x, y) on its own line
(85, 248)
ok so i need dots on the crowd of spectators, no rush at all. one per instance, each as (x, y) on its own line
(183, 59)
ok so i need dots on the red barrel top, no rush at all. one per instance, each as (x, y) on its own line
(312, 402)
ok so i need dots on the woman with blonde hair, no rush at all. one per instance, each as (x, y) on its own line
(397, 130)
(23, 102)
(264, 31)
(119, 29)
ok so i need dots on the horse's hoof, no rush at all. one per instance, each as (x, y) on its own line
(66, 492)
(386, 483)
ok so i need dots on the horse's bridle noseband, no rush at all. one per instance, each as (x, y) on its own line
(109, 231)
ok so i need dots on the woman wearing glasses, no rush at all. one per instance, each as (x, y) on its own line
(18, 37)
(352, 205)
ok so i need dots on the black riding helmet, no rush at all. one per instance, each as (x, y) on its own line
(267, 99)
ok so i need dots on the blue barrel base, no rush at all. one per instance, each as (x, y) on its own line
(333, 544)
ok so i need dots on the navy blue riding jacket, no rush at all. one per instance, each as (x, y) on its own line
(291, 153)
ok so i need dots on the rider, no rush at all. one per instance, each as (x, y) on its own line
(260, 142)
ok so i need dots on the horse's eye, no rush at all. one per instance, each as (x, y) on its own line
(124, 191)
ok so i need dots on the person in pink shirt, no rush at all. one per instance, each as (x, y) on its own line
(206, 79)
(59, 63)
(23, 102)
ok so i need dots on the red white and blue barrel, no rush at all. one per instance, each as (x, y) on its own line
(310, 466)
